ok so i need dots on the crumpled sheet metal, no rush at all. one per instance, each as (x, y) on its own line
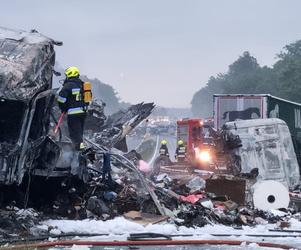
(26, 63)
(131, 116)
(96, 116)
(118, 125)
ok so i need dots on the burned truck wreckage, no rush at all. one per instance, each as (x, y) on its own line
(37, 166)
(29, 111)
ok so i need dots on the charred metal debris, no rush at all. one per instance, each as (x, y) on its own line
(40, 170)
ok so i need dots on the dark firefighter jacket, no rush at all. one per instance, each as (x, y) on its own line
(163, 150)
(70, 98)
(181, 151)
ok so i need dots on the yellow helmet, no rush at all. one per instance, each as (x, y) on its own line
(180, 142)
(163, 142)
(72, 72)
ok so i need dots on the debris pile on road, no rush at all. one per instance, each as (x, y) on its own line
(194, 199)
(183, 202)
(193, 205)
(15, 221)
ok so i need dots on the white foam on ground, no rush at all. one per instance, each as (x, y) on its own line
(119, 228)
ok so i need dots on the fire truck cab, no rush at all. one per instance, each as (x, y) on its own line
(194, 133)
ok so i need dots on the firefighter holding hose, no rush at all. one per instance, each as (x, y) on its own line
(73, 100)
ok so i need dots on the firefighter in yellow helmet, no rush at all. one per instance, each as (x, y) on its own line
(164, 149)
(180, 154)
(71, 102)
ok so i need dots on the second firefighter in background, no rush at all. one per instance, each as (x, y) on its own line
(72, 101)
(180, 154)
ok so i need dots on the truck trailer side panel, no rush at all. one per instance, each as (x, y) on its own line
(229, 108)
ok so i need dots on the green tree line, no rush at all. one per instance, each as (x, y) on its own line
(246, 76)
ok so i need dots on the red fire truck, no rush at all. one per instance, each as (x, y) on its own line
(195, 135)
(199, 151)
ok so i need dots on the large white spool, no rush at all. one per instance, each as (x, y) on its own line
(269, 195)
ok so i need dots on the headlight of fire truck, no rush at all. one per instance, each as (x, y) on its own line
(202, 155)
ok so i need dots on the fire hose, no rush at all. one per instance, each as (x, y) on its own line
(59, 123)
(136, 236)
(145, 243)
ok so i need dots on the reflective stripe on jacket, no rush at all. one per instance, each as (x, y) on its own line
(73, 111)
(181, 151)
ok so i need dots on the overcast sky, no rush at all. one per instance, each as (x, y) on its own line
(158, 50)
